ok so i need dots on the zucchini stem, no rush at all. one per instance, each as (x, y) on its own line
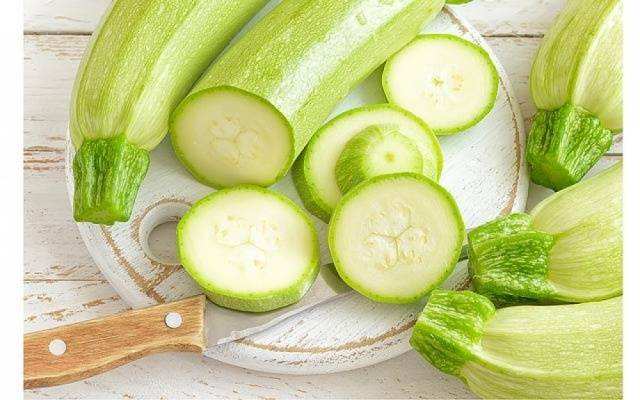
(107, 174)
(564, 144)
(450, 326)
(509, 260)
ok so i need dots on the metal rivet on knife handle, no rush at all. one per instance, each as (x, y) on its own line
(173, 320)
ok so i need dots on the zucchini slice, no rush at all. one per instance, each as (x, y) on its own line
(257, 106)
(314, 173)
(377, 150)
(249, 248)
(231, 137)
(396, 237)
(448, 81)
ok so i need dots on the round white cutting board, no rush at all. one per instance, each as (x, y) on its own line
(484, 169)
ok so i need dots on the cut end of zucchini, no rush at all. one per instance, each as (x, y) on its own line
(226, 137)
(249, 248)
(450, 325)
(377, 150)
(563, 145)
(396, 237)
(509, 260)
(448, 81)
(314, 172)
(107, 174)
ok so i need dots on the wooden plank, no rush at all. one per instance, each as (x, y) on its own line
(50, 64)
(490, 17)
(55, 250)
(182, 376)
(53, 247)
(511, 17)
(48, 304)
(169, 376)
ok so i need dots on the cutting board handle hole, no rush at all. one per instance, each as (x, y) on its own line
(161, 244)
(157, 231)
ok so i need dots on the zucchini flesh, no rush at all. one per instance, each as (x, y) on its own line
(450, 82)
(314, 173)
(293, 66)
(376, 151)
(249, 248)
(142, 60)
(568, 250)
(524, 352)
(396, 237)
(576, 84)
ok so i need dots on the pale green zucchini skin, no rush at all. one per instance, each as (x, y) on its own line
(142, 60)
(568, 250)
(305, 56)
(525, 352)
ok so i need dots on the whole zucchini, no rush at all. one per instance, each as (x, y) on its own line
(256, 108)
(576, 84)
(142, 60)
(569, 249)
(571, 351)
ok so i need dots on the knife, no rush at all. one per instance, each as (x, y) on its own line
(78, 351)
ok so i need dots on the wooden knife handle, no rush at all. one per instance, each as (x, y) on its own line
(92, 347)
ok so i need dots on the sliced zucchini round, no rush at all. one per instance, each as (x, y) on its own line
(314, 172)
(249, 248)
(448, 81)
(226, 137)
(377, 150)
(396, 237)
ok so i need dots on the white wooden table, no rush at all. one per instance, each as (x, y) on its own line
(62, 285)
